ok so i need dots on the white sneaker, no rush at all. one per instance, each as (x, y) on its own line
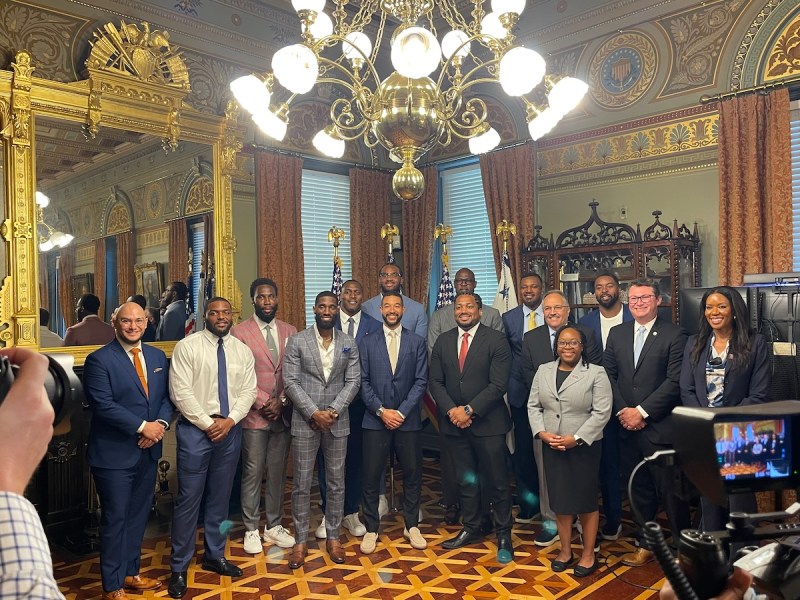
(383, 506)
(414, 536)
(353, 525)
(252, 542)
(369, 543)
(278, 536)
(321, 533)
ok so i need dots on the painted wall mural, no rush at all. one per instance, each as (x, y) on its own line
(622, 70)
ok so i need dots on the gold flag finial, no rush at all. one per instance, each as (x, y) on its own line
(442, 232)
(335, 235)
(505, 229)
(388, 233)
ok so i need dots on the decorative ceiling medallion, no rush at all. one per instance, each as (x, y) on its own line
(622, 70)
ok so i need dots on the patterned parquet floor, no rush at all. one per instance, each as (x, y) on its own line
(394, 571)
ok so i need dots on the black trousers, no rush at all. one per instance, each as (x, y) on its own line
(525, 471)
(378, 443)
(482, 466)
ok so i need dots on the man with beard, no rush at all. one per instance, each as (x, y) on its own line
(265, 429)
(357, 324)
(126, 384)
(321, 376)
(390, 279)
(611, 312)
(468, 377)
(517, 322)
(213, 385)
(172, 325)
(91, 329)
(394, 375)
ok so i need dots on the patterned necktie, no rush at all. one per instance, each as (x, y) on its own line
(351, 323)
(273, 347)
(137, 363)
(393, 350)
(531, 320)
(222, 379)
(462, 355)
(553, 341)
(641, 334)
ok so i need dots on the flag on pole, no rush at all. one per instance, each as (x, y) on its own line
(446, 294)
(336, 285)
(189, 324)
(506, 297)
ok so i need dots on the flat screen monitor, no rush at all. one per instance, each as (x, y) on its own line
(779, 312)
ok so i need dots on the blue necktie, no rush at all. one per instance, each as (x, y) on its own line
(639, 343)
(222, 379)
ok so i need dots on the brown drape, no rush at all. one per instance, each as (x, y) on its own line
(100, 274)
(509, 188)
(178, 269)
(419, 221)
(755, 186)
(66, 269)
(279, 232)
(126, 283)
(44, 286)
(370, 209)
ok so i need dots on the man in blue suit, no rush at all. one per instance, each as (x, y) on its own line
(357, 324)
(394, 376)
(611, 312)
(517, 322)
(126, 384)
(391, 280)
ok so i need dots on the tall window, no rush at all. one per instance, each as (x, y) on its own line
(197, 241)
(325, 202)
(795, 141)
(464, 209)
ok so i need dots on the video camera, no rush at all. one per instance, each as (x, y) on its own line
(736, 450)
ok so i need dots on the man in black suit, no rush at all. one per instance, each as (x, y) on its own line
(468, 377)
(643, 361)
(536, 350)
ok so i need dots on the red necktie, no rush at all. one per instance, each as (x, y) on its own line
(462, 355)
(137, 363)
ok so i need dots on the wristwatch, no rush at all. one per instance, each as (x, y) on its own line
(468, 410)
(379, 412)
(332, 410)
(284, 401)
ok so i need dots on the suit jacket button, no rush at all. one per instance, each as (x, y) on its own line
(558, 416)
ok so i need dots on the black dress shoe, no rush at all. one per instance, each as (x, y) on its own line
(586, 571)
(452, 514)
(561, 565)
(222, 566)
(505, 549)
(177, 584)
(464, 538)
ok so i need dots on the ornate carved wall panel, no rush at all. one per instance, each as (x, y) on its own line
(784, 56)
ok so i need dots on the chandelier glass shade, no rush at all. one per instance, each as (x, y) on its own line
(429, 99)
(49, 237)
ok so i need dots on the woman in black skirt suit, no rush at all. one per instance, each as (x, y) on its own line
(569, 404)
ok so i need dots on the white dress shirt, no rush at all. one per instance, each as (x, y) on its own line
(325, 354)
(606, 323)
(526, 312)
(193, 378)
(471, 337)
(344, 317)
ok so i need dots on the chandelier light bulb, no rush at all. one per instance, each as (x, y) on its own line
(42, 200)
(271, 124)
(543, 123)
(484, 142)
(451, 43)
(355, 41)
(46, 246)
(321, 27)
(415, 52)
(491, 25)
(328, 143)
(251, 93)
(521, 70)
(567, 94)
(315, 5)
(296, 68)
(66, 240)
(502, 7)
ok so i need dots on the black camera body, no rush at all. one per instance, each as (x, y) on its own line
(62, 385)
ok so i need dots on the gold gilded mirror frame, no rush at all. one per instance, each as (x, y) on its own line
(129, 89)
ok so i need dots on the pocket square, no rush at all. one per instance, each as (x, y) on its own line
(157, 369)
(346, 350)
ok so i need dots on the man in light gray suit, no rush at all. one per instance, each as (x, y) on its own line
(321, 376)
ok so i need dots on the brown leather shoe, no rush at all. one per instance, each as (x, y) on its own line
(335, 551)
(297, 557)
(137, 582)
(114, 595)
(638, 558)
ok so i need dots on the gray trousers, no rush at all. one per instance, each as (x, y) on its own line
(544, 499)
(263, 449)
(304, 451)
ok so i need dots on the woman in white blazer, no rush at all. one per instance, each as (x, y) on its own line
(569, 404)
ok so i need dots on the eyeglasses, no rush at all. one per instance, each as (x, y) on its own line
(556, 308)
(568, 343)
(640, 299)
(460, 280)
(390, 276)
(138, 322)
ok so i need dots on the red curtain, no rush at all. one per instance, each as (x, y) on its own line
(509, 188)
(126, 283)
(66, 269)
(419, 221)
(178, 268)
(755, 186)
(370, 209)
(100, 274)
(279, 232)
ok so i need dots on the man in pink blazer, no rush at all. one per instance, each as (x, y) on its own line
(266, 436)
(91, 329)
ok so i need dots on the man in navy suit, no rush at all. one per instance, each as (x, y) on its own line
(394, 376)
(126, 384)
(517, 322)
(611, 312)
(391, 280)
(357, 324)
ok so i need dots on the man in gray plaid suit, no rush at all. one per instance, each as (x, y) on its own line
(321, 375)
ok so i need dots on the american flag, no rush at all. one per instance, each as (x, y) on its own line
(390, 258)
(190, 314)
(447, 293)
(506, 297)
(336, 286)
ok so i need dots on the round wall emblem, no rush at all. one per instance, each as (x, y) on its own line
(622, 70)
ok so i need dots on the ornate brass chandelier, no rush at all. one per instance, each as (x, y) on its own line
(412, 110)
(49, 237)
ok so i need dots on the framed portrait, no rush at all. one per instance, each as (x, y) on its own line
(149, 282)
(80, 285)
